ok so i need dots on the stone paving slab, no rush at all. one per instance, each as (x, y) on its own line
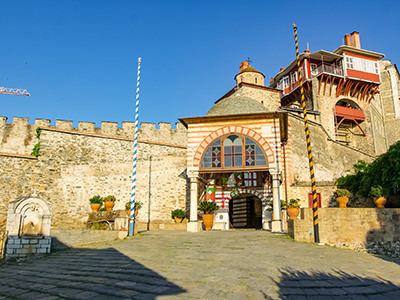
(208, 265)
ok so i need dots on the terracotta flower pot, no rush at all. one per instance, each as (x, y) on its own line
(178, 220)
(380, 202)
(109, 205)
(293, 212)
(128, 212)
(95, 207)
(272, 216)
(208, 221)
(342, 201)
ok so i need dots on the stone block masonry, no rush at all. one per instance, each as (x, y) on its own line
(19, 137)
(364, 229)
(78, 163)
(20, 247)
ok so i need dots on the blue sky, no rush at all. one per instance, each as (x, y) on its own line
(78, 59)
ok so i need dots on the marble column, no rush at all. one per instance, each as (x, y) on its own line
(276, 222)
(193, 224)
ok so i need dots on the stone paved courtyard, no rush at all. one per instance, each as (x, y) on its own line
(208, 265)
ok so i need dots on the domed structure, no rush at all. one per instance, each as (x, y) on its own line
(236, 104)
(250, 75)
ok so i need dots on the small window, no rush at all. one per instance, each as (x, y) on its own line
(314, 69)
(285, 82)
(280, 84)
(349, 63)
(255, 79)
(294, 77)
(376, 68)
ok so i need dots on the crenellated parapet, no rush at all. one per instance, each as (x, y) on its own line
(20, 136)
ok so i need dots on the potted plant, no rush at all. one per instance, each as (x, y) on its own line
(270, 207)
(376, 193)
(208, 208)
(128, 208)
(96, 202)
(109, 202)
(178, 215)
(342, 197)
(293, 208)
(138, 205)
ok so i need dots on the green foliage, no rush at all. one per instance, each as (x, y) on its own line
(270, 204)
(179, 213)
(38, 132)
(342, 193)
(96, 199)
(384, 171)
(138, 205)
(35, 150)
(294, 203)
(96, 226)
(110, 198)
(208, 207)
(376, 191)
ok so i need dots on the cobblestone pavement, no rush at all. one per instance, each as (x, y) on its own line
(206, 265)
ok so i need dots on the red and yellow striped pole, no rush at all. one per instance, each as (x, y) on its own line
(307, 130)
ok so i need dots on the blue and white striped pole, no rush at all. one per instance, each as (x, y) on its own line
(133, 195)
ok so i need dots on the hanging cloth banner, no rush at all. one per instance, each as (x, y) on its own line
(210, 196)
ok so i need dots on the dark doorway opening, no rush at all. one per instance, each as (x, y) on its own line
(245, 211)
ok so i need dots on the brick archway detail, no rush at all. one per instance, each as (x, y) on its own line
(231, 130)
(264, 199)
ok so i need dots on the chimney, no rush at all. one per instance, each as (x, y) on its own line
(282, 69)
(307, 51)
(355, 39)
(243, 65)
(347, 40)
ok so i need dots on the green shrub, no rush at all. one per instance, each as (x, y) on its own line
(376, 191)
(96, 199)
(179, 213)
(208, 207)
(270, 205)
(36, 149)
(138, 205)
(342, 193)
(294, 203)
(110, 198)
(384, 172)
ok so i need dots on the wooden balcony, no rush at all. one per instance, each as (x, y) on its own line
(331, 69)
(349, 113)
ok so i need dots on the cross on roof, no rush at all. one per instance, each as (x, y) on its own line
(248, 60)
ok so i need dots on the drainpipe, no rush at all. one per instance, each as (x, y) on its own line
(284, 169)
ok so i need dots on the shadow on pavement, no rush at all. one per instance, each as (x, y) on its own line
(295, 284)
(75, 273)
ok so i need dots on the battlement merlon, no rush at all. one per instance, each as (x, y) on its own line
(147, 131)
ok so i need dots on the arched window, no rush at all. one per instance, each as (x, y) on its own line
(233, 151)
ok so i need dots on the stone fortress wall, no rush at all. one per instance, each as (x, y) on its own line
(78, 163)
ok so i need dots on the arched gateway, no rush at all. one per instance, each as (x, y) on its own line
(234, 168)
(235, 155)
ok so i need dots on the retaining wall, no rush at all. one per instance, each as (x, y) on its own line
(364, 229)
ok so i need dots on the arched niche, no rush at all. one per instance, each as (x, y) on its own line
(29, 216)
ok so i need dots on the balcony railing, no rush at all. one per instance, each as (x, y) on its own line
(327, 68)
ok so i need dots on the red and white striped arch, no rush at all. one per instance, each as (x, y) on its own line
(251, 133)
